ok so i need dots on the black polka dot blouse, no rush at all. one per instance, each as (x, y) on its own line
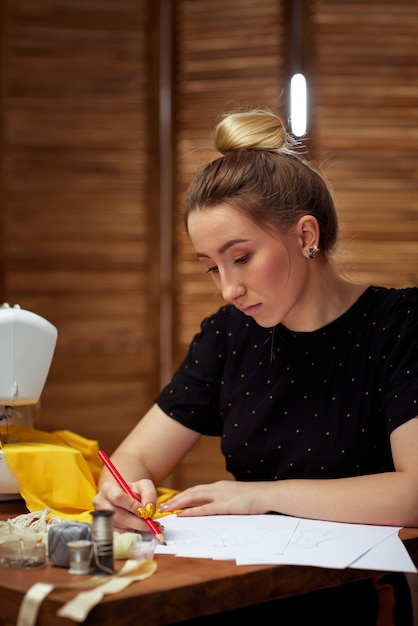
(316, 404)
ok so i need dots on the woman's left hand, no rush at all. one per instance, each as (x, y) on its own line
(224, 497)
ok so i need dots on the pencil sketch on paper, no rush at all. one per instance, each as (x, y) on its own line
(228, 532)
(216, 538)
(314, 538)
(281, 539)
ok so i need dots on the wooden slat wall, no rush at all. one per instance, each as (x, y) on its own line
(228, 54)
(75, 214)
(365, 77)
(79, 225)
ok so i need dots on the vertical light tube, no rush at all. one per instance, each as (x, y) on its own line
(298, 105)
(298, 109)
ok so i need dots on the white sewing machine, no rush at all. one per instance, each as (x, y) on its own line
(27, 345)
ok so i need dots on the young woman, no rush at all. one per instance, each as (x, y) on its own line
(309, 380)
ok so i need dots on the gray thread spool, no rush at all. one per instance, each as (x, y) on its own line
(102, 538)
(58, 537)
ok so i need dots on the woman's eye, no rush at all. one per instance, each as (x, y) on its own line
(214, 268)
(241, 260)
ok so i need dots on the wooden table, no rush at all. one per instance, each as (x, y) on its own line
(180, 589)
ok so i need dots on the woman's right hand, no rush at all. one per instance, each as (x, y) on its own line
(111, 496)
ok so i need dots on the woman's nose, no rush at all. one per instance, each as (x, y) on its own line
(231, 290)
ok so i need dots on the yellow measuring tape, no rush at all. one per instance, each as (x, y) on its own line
(94, 588)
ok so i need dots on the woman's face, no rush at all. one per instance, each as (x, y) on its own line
(261, 273)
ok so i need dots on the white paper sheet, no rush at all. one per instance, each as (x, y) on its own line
(326, 544)
(278, 539)
(391, 551)
(223, 536)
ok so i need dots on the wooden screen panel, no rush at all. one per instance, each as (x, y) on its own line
(365, 79)
(76, 216)
(228, 54)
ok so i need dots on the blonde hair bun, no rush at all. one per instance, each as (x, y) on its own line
(253, 129)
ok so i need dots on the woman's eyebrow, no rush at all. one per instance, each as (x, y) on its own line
(224, 247)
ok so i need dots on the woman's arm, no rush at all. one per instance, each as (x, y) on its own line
(148, 454)
(384, 499)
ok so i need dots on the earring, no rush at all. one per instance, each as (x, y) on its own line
(312, 251)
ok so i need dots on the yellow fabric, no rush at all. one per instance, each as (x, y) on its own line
(58, 470)
(164, 494)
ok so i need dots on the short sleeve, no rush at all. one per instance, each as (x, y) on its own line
(399, 354)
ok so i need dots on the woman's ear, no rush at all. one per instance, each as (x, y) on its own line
(307, 229)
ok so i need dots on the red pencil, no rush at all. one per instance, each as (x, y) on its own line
(121, 481)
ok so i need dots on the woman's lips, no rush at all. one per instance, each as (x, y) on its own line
(251, 310)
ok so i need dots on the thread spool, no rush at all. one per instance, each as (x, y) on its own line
(102, 538)
(80, 556)
(59, 535)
